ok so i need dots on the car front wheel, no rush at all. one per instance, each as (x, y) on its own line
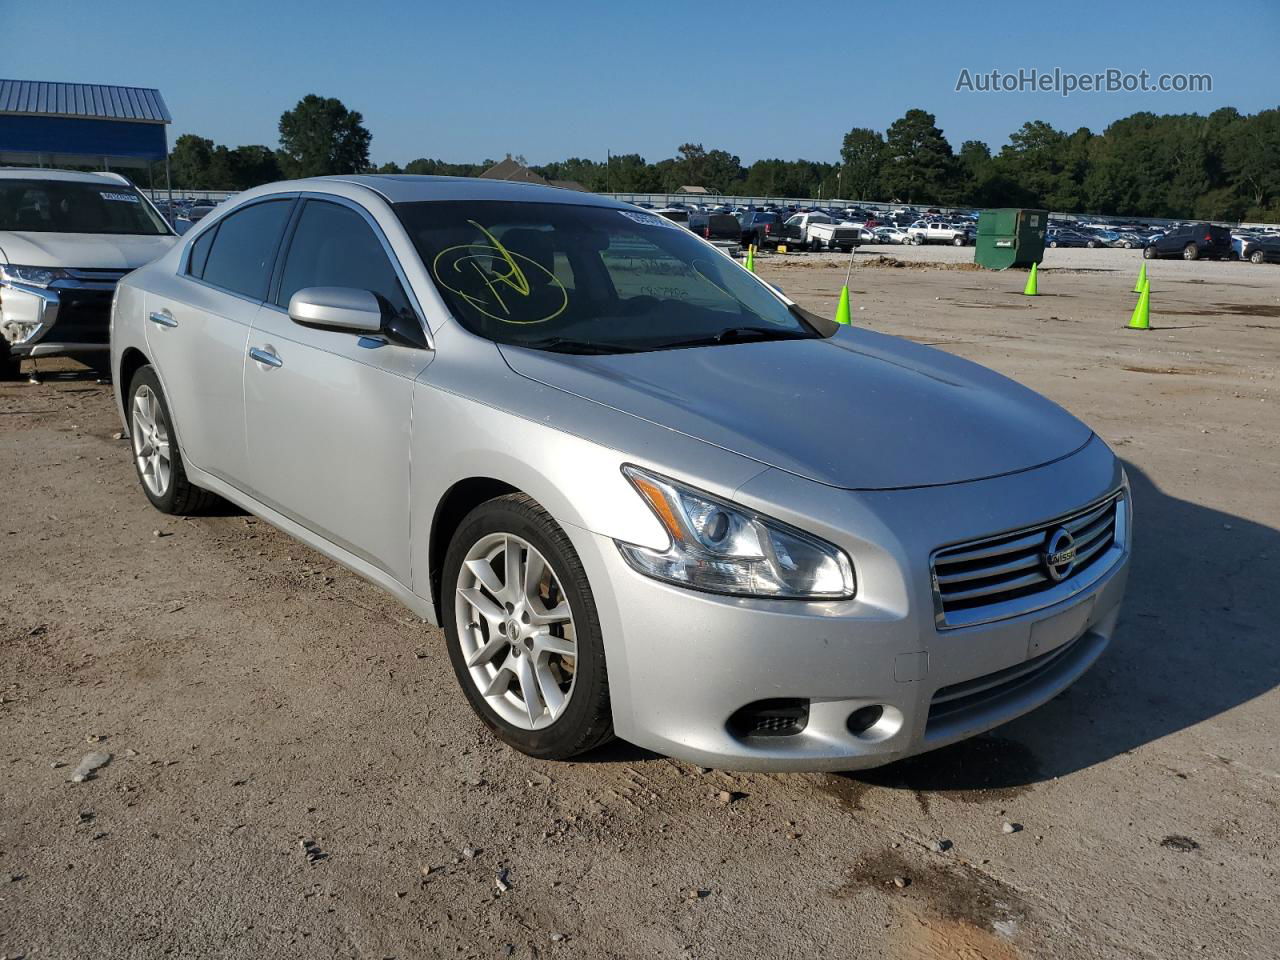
(155, 450)
(522, 630)
(10, 365)
(1256, 257)
(1148, 253)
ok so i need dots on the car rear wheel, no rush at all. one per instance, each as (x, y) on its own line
(1092, 244)
(156, 456)
(957, 241)
(522, 630)
(1256, 257)
(1190, 252)
(1053, 243)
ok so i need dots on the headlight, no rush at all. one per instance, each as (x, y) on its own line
(36, 276)
(723, 548)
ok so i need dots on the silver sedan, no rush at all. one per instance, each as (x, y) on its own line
(643, 493)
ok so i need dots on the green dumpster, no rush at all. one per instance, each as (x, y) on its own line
(1010, 237)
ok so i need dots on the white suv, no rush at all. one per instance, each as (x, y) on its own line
(66, 239)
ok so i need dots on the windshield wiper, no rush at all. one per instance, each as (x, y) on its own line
(569, 345)
(737, 335)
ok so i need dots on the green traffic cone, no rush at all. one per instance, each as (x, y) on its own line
(1141, 319)
(751, 258)
(842, 308)
(1142, 278)
(1031, 290)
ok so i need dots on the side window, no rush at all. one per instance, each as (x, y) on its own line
(200, 253)
(244, 250)
(333, 246)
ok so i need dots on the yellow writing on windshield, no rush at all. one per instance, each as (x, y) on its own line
(497, 281)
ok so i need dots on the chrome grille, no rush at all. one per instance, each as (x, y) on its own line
(1008, 574)
(96, 277)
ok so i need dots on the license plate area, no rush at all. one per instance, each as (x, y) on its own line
(1063, 627)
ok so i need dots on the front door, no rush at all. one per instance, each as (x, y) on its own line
(328, 411)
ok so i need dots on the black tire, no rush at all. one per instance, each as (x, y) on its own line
(181, 497)
(1257, 257)
(10, 366)
(1053, 243)
(1092, 244)
(957, 241)
(1190, 252)
(1148, 253)
(587, 720)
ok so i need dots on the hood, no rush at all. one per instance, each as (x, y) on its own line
(82, 250)
(859, 410)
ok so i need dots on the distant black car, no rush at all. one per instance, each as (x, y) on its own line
(1194, 241)
(1066, 238)
(1261, 250)
(715, 226)
(760, 227)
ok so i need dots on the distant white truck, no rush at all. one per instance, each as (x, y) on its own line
(938, 231)
(818, 231)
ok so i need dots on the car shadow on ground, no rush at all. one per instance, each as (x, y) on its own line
(64, 371)
(1197, 637)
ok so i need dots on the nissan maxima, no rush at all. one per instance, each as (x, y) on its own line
(643, 493)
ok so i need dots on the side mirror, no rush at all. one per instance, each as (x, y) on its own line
(344, 308)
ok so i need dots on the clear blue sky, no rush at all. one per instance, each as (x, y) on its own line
(465, 81)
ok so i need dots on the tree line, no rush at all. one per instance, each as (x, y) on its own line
(1224, 166)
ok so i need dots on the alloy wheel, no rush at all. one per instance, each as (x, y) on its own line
(516, 631)
(151, 441)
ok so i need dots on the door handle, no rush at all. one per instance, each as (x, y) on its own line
(162, 318)
(266, 355)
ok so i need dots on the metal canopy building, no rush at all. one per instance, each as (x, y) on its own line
(81, 124)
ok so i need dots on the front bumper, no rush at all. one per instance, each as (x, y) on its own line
(65, 318)
(682, 664)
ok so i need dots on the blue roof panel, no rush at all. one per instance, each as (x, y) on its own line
(37, 98)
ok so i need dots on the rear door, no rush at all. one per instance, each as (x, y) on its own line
(328, 411)
(198, 326)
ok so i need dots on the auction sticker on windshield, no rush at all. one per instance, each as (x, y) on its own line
(649, 219)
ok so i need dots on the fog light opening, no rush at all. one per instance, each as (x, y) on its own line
(779, 717)
(875, 721)
(864, 718)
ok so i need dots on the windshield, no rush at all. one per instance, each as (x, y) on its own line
(67, 206)
(592, 279)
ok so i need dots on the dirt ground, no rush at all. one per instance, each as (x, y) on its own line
(254, 697)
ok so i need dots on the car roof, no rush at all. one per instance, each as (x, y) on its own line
(409, 188)
(73, 176)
